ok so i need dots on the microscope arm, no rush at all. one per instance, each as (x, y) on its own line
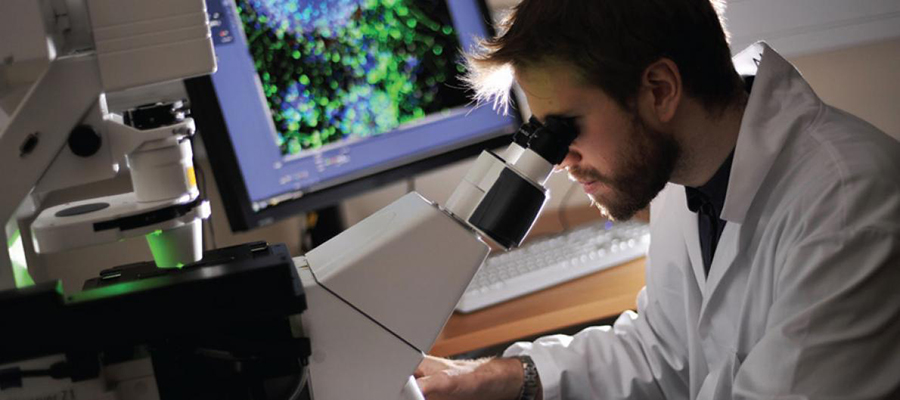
(29, 145)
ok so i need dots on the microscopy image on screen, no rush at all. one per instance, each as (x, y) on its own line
(341, 70)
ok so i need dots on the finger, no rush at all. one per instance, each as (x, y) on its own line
(438, 385)
(428, 386)
(430, 365)
(424, 368)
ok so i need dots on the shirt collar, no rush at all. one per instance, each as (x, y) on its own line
(713, 191)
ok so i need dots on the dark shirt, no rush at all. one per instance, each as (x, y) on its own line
(707, 201)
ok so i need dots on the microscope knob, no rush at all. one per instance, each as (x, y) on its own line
(84, 141)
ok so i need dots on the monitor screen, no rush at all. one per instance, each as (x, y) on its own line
(318, 100)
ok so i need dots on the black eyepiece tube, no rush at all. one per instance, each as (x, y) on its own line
(552, 139)
(523, 135)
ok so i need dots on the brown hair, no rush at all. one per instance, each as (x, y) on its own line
(611, 43)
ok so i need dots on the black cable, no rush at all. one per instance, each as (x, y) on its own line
(12, 377)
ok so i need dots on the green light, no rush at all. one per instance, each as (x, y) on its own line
(117, 289)
(438, 50)
(19, 265)
(296, 54)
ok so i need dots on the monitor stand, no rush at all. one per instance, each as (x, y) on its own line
(326, 225)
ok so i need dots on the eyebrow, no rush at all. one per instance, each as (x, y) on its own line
(566, 115)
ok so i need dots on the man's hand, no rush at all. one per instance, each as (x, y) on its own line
(483, 379)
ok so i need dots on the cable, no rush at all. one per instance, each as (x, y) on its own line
(300, 384)
(12, 377)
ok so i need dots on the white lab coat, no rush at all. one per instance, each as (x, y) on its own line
(803, 296)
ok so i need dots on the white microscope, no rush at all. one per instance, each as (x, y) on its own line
(380, 292)
(58, 60)
(349, 320)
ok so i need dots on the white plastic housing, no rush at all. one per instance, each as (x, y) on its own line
(69, 170)
(51, 233)
(513, 152)
(163, 173)
(23, 32)
(352, 356)
(406, 266)
(481, 176)
(379, 294)
(532, 166)
(144, 42)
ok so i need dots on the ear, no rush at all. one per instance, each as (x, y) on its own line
(661, 90)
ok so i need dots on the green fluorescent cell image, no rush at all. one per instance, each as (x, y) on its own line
(341, 70)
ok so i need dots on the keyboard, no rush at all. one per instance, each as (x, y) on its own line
(552, 260)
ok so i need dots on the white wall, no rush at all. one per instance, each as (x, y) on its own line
(863, 80)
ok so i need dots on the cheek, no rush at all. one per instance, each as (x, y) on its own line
(602, 142)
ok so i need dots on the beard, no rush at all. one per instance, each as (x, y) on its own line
(642, 171)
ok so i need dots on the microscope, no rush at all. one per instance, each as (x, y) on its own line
(350, 319)
(59, 131)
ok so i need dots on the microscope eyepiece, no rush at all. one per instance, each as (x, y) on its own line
(523, 135)
(551, 140)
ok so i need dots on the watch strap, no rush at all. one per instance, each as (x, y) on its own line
(532, 380)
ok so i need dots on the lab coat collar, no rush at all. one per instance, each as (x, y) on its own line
(780, 103)
(777, 105)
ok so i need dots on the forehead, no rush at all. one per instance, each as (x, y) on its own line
(552, 88)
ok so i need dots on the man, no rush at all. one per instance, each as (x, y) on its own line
(775, 254)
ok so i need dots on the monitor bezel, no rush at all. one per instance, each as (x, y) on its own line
(235, 197)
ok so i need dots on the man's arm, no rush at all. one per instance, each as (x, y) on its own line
(833, 329)
(642, 355)
(599, 362)
(484, 379)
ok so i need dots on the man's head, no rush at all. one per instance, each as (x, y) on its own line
(621, 68)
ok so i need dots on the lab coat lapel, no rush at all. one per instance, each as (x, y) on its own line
(722, 262)
(692, 240)
(765, 127)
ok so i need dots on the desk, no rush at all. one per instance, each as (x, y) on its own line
(594, 297)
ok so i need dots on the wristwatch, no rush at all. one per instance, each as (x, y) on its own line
(532, 380)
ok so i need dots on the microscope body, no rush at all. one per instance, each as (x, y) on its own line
(380, 292)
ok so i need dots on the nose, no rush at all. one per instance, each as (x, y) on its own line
(573, 157)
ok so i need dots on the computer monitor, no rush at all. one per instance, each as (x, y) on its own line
(318, 100)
